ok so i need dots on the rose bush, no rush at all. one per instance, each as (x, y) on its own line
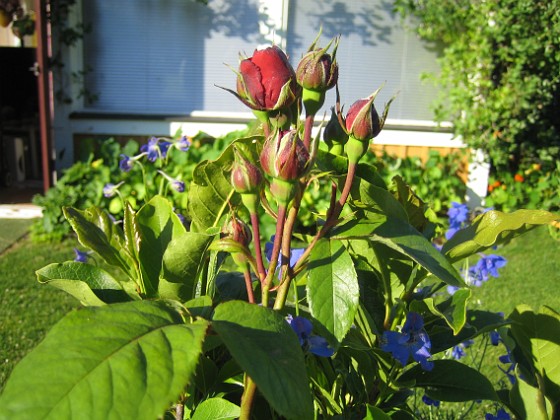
(190, 318)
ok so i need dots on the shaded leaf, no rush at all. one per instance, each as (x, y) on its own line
(267, 348)
(450, 380)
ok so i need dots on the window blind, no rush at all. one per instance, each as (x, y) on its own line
(166, 56)
(375, 50)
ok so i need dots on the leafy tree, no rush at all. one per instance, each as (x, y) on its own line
(500, 68)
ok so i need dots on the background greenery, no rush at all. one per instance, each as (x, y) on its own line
(500, 77)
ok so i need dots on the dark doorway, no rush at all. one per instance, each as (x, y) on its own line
(20, 146)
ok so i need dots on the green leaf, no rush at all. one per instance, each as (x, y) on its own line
(216, 409)
(97, 232)
(453, 311)
(123, 361)
(181, 263)
(403, 238)
(451, 381)
(523, 399)
(538, 335)
(376, 200)
(211, 190)
(374, 413)
(266, 347)
(332, 288)
(91, 285)
(158, 225)
(493, 228)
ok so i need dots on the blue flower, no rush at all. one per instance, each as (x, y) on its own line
(501, 414)
(459, 351)
(495, 338)
(507, 359)
(80, 256)
(164, 147)
(413, 341)
(151, 149)
(295, 253)
(178, 186)
(126, 163)
(458, 215)
(183, 144)
(488, 266)
(313, 343)
(428, 401)
(109, 190)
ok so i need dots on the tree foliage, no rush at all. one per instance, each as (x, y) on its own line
(500, 68)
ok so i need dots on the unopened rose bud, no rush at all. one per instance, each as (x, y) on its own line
(284, 156)
(266, 81)
(238, 231)
(246, 177)
(317, 72)
(334, 134)
(362, 120)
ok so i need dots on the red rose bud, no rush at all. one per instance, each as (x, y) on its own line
(266, 81)
(246, 177)
(238, 231)
(362, 120)
(284, 156)
(317, 72)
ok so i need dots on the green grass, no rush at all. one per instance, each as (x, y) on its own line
(28, 309)
(531, 276)
(11, 230)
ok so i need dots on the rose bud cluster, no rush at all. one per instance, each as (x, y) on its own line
(266, 81)
(317, 72)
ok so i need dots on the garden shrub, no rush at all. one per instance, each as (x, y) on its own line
(500, 62)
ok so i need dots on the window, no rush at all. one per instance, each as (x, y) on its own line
(154, 56)
(374, 50)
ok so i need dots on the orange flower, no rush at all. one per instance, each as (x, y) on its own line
(518, 178)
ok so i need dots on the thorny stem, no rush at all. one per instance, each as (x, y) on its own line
(275, 253)
(248, 283)
(247, 398)
(258, 253)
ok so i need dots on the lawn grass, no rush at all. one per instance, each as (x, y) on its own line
(28, 309)
(531, 276)
(11, 230)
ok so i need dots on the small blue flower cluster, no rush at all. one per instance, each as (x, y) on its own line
(309, 342)
(487, 266)
(156, 148)
(412, 340)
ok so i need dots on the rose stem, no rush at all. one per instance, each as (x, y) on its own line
(248, 283)
(258, 253)
(247, 398)
(275, 253)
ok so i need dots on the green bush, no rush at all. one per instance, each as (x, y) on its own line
(500, 67)
(81, 185)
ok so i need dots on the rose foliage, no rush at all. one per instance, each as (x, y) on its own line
(191, 317)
